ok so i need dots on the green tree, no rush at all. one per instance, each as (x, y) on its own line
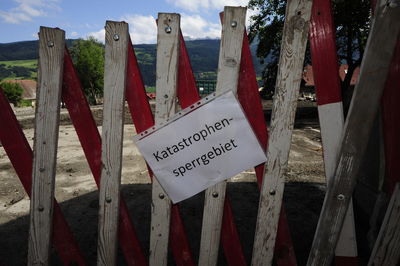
(13, 92)
(88, 58)
(352, 22)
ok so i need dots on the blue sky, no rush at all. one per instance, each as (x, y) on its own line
(20, 19)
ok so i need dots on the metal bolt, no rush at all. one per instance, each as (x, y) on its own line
(234, 24)
(108, 199)
(50, 44)
(168, 29)
(41, 208)
(116, 37)
(215, 194)
(272, 192)
(161, 195)
(41, 169)
(341, 197)
(166, 96)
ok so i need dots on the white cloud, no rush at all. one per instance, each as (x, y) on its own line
(143, 29)
(99, 35)
(27, 10)
(196, 27)
(202, 5)
(73, 34)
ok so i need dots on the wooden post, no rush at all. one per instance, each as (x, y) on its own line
(51, 53)
(89, 137)
(228, 73)
(363, 109)
(291, 60)
(20, 154)
(167, 77)
(387, 246)
(116, 56)
(330, 109)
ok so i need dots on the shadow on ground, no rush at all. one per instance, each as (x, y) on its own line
(303, 202)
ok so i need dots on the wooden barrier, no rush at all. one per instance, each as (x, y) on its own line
(363, 108)
(330, 110)
(176, 85)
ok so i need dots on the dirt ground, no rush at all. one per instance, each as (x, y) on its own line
(77, 193)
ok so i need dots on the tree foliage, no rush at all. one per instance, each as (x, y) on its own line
(352, 22)
(88, 58)
(13, 92)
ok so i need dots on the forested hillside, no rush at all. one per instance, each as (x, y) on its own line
(203, 56)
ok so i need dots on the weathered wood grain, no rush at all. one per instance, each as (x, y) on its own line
(386, 250)
(228, 72)
(294, 40)
(116, 60)
(330, 106)
(166, 103)
(363, 109)
(51, 63)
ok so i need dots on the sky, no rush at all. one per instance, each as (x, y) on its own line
(20, 20)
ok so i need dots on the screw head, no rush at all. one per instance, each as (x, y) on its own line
(215, 194)
(168, 29)
(50, 44)
(166, 96)
(116, 37)
(41, 169)
(108, 199)
(161, 195)
(341, 197)
(41, 208)
(234, 24)
(272, 192)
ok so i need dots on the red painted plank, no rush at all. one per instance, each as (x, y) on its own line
(323, 53)
(142, 117)
(20, 154)
(187, 91)
(250, 101)
(90, 139)
(249, 98)
(391, 121)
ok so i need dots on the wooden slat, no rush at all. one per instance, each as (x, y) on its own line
(387, 246)
(166, 82)
(89, 137)
(51, 54)
(228, 73)
(330, 107)
(363, 109)
(20, 154)
(116, 59)
(291, 60)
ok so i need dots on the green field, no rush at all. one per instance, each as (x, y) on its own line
(18, 69)
(24, 63)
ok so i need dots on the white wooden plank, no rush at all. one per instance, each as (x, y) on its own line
(166, 83)
(362, 113)
(331, 120)
(387, 246)
(116, 61)
(51, 64)
(290, 68)
(230, 52)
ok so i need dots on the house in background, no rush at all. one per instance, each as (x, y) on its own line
(308, 75)
(29, 89)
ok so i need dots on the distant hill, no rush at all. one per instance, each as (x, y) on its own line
(203, 56)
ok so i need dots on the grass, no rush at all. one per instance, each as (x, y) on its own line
(29, 64)
(24, 63)
(150, 89)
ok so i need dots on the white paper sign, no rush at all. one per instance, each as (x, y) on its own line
(202, 146)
